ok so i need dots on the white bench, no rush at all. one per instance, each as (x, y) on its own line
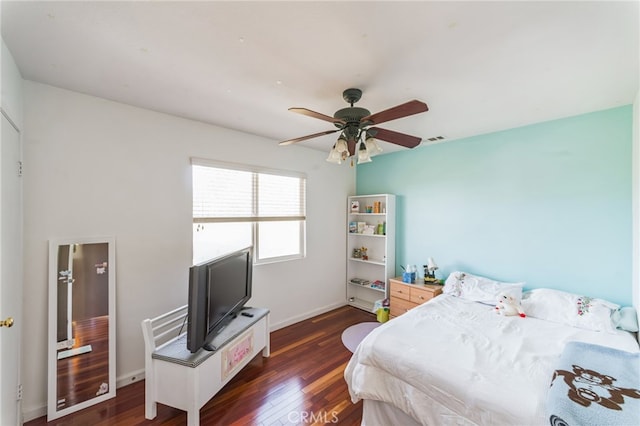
(177, 378)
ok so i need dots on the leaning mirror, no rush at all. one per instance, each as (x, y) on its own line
(82, 340)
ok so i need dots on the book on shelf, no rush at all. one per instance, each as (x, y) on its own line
(360, 281)
(378, 284)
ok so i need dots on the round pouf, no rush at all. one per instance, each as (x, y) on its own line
(352, 336)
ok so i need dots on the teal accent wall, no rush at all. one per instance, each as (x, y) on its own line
(548, 204)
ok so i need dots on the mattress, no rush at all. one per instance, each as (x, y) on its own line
(453, 361)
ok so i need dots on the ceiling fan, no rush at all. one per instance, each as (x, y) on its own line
(355, 125)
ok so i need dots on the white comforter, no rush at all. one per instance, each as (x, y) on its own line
(452, 361)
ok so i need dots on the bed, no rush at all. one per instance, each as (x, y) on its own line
(454, 360)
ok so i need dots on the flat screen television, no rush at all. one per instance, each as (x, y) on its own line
(218, 290)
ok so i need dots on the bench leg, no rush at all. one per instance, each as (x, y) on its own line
(150, 405)
(150, 410)
(193, 396)
(266, 352)
(193, 417)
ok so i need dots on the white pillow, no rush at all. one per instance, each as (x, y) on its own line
(625, 319)
(480, 289)
(570, 309)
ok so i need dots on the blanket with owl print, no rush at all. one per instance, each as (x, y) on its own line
(595, 384)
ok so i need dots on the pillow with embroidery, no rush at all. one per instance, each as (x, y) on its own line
(570, 309)
(480, 289)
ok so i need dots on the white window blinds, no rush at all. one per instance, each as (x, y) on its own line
(230, 193)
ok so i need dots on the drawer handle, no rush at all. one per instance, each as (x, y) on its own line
(421, 297)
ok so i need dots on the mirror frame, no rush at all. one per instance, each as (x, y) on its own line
(54, 244)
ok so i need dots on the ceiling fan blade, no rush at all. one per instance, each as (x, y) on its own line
(318, 115)
(399, 111)
(395, 137)
(304, 138)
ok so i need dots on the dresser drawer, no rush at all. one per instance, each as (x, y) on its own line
(420, 295)
(399, 291)
(400, 306)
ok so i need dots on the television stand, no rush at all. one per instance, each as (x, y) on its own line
(177, 378)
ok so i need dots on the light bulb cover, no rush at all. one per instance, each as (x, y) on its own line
(373, 146)
(363, 154)
(341, 144)
(334, 156)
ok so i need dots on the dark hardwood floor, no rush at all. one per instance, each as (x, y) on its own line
(300, 383)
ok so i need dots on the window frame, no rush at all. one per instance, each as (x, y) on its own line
(255, 220)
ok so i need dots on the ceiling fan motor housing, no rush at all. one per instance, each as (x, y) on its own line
(351, 115)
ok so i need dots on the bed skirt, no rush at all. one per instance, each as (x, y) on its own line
(377, 413)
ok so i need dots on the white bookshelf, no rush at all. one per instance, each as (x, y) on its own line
(381, 249)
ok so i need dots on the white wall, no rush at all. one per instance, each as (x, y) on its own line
(11, 87)
(95, 167)
(635, 188)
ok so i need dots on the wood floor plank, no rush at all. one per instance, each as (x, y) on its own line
(323, 382)
(290, 349)
(301, 383)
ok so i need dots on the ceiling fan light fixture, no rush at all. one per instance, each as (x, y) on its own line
(363, 154)
(341, 145)
(334, 156)
(372, 146)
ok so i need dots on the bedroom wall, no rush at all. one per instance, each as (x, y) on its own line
(549, 204)
(636, 204)
(11, 86)
(95, 167)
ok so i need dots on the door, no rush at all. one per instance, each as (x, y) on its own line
(10, 273)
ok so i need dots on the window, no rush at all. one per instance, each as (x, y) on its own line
(235, 206)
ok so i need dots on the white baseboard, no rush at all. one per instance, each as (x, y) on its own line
(130, 378)
(306, 315)
(34, 414)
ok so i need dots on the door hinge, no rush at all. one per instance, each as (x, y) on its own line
(19, 168)
(19, 393)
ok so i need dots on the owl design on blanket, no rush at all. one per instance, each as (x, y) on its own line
(588, 386)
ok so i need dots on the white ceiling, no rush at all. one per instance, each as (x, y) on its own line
(480, 66)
